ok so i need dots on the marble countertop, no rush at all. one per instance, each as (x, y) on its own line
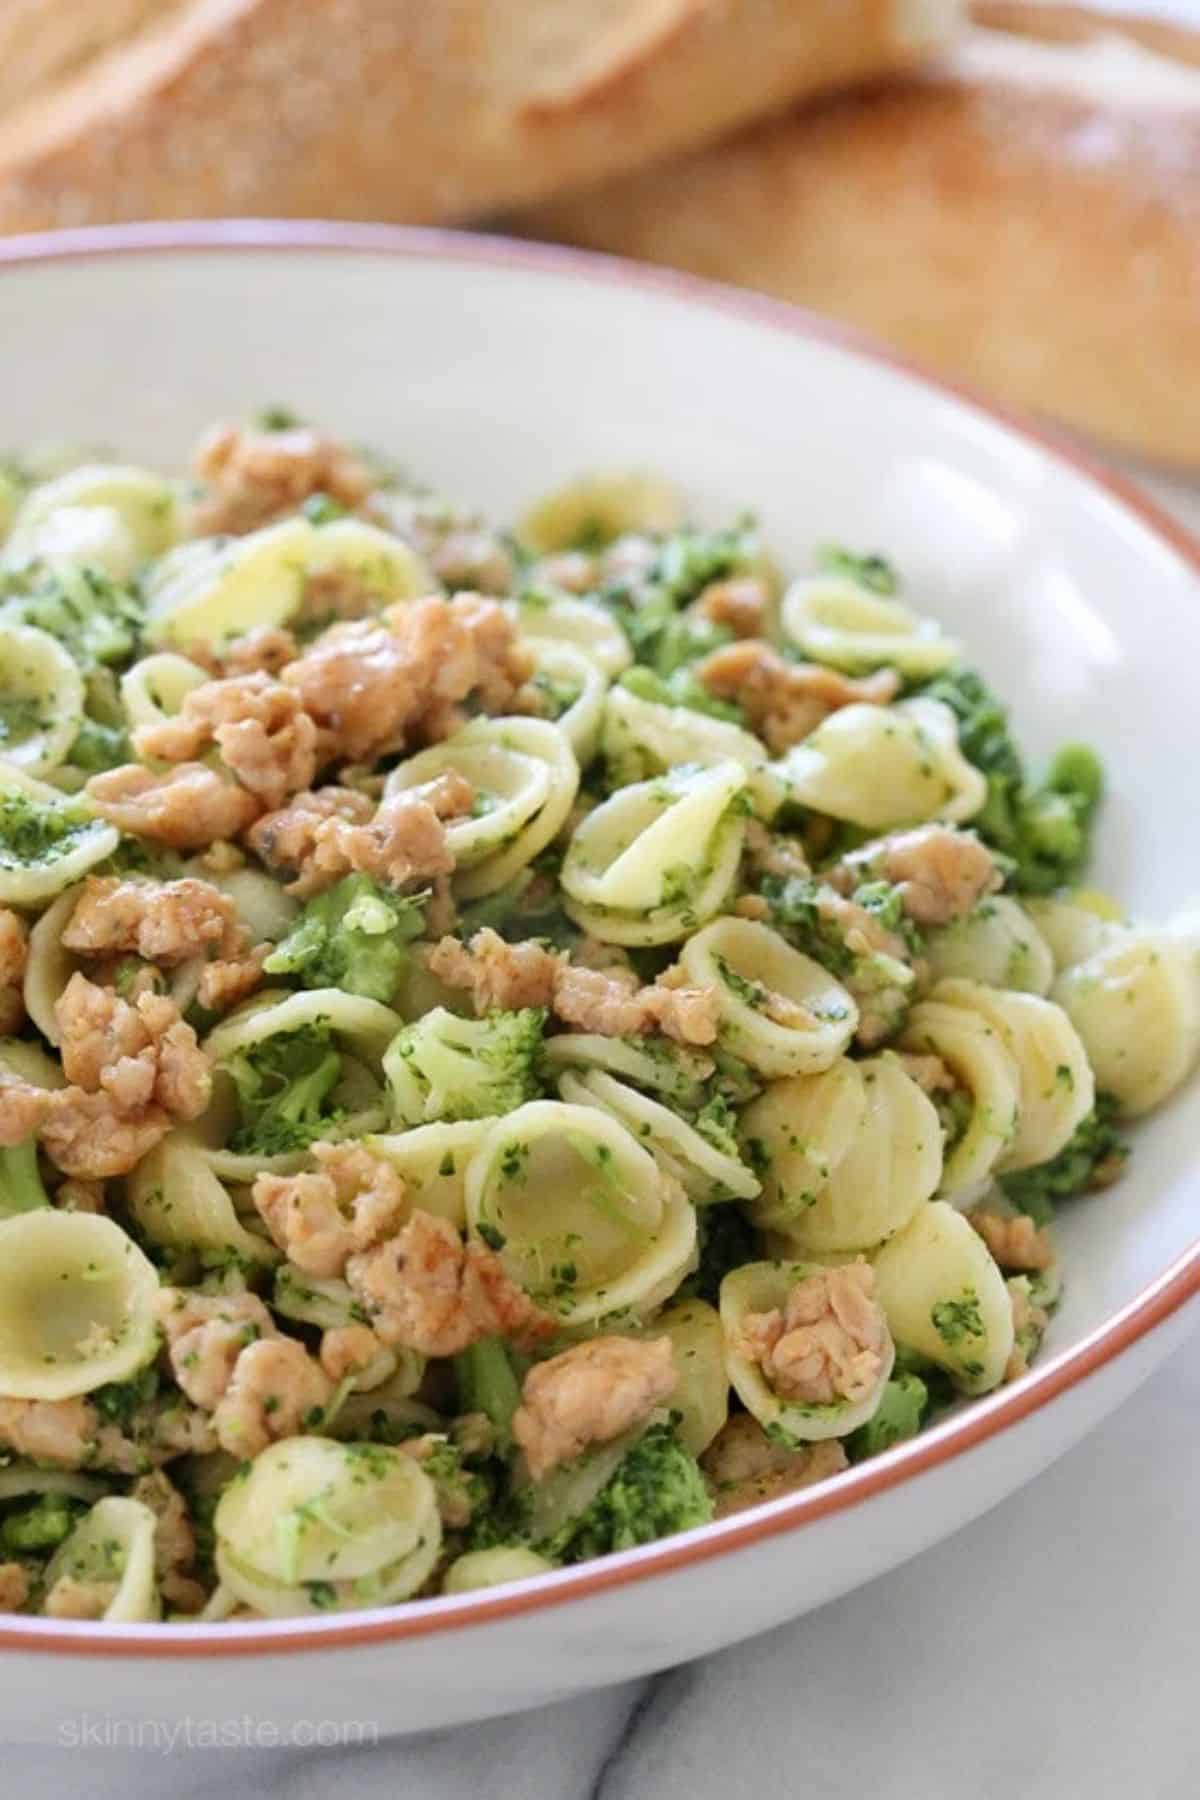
(1047, 1652)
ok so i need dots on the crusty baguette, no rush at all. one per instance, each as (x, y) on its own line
(1024, 215)
(416, 109)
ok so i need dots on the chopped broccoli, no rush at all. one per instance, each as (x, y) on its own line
(795, 903)
(649, 609)
(353, 937)
(487, 1383)
(727, 1240)
(717, 1124)
(283, 1087)
(119, 1402)
(41, 1525)
(1093, 1158)
(94, 618)
(680, 688)
(529, 906)
(657, 1489)
(462, 1493)
(21, 1187)
(900, 1415)
(98, 746)
(1044, 830)
(871, 571)
(444, 1067)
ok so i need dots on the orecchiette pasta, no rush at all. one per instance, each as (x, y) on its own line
(578, 623)
(781, 1012)
(315, 1525)
(881, 766)
(658, 858)
(642, 739)
(837, 622)
(109, 1562)
(997, 943)
(178, 1203)
(47, 840)
(707, 1173)
(763, 1288)
(213, 588)
(590, 1224)
(598, 508)
(846, 1157)
(41, 699)
(945, 1298)
(1135, 1003)
(77, 1304)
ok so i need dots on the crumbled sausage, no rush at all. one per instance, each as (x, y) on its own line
(58, 1432)
(187, 807)
(473, 557)
(276, 1390)
(139, 1054)
(611, 1003)
(166, 922)
(230, 979)
(351, 1350)
(14, 1587)
(497, 974)
(930, 1073)
(375, 685)
(740, 603)
(14, 946)
(429, 1291)
(773, 853)
(90, 1138)
(826, 1344)
(1015, 1242)
(267, 648)
(404, 841)
(252, 476)
(743, 1467)
(265, 737)
(205, 1334)
(1029, 1325)
(22, 1110)
(590, 1394)
(174, 1540)
(318, 1219)
(74, 1598)
(286, 839)
(940, 873)
(80, 1196)
(785, 701)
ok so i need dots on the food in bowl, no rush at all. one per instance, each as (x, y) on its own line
(517, 1043)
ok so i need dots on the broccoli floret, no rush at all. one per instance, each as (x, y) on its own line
(40, 1526)
(21, 1188)
(463, 1494)
(94, 618)
(900, 1415)
(717, 1123)
(649, 609)
(727, 1240)
(353, 937)
(1094, 1157)
(657, 1489)
(283, 1087)
(98, 746)
(444, 1067)
(33, 834)
(119, 1402)
(871, 571)
(1044, 830)
(487, 1383)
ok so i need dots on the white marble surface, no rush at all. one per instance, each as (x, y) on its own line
(1047, 1652)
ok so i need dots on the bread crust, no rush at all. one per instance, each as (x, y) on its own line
(1023, 215)
(419, 110)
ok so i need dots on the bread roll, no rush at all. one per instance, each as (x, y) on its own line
(1023, 215)
(397, 109)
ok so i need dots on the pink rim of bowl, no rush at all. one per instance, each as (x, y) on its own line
(1154, 1305)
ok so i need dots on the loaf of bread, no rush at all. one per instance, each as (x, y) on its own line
(396, 109)
(1023, 215)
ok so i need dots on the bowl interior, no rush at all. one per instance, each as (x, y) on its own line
(492, 378)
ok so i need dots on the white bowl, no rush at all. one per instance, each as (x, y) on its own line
(496, 371)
